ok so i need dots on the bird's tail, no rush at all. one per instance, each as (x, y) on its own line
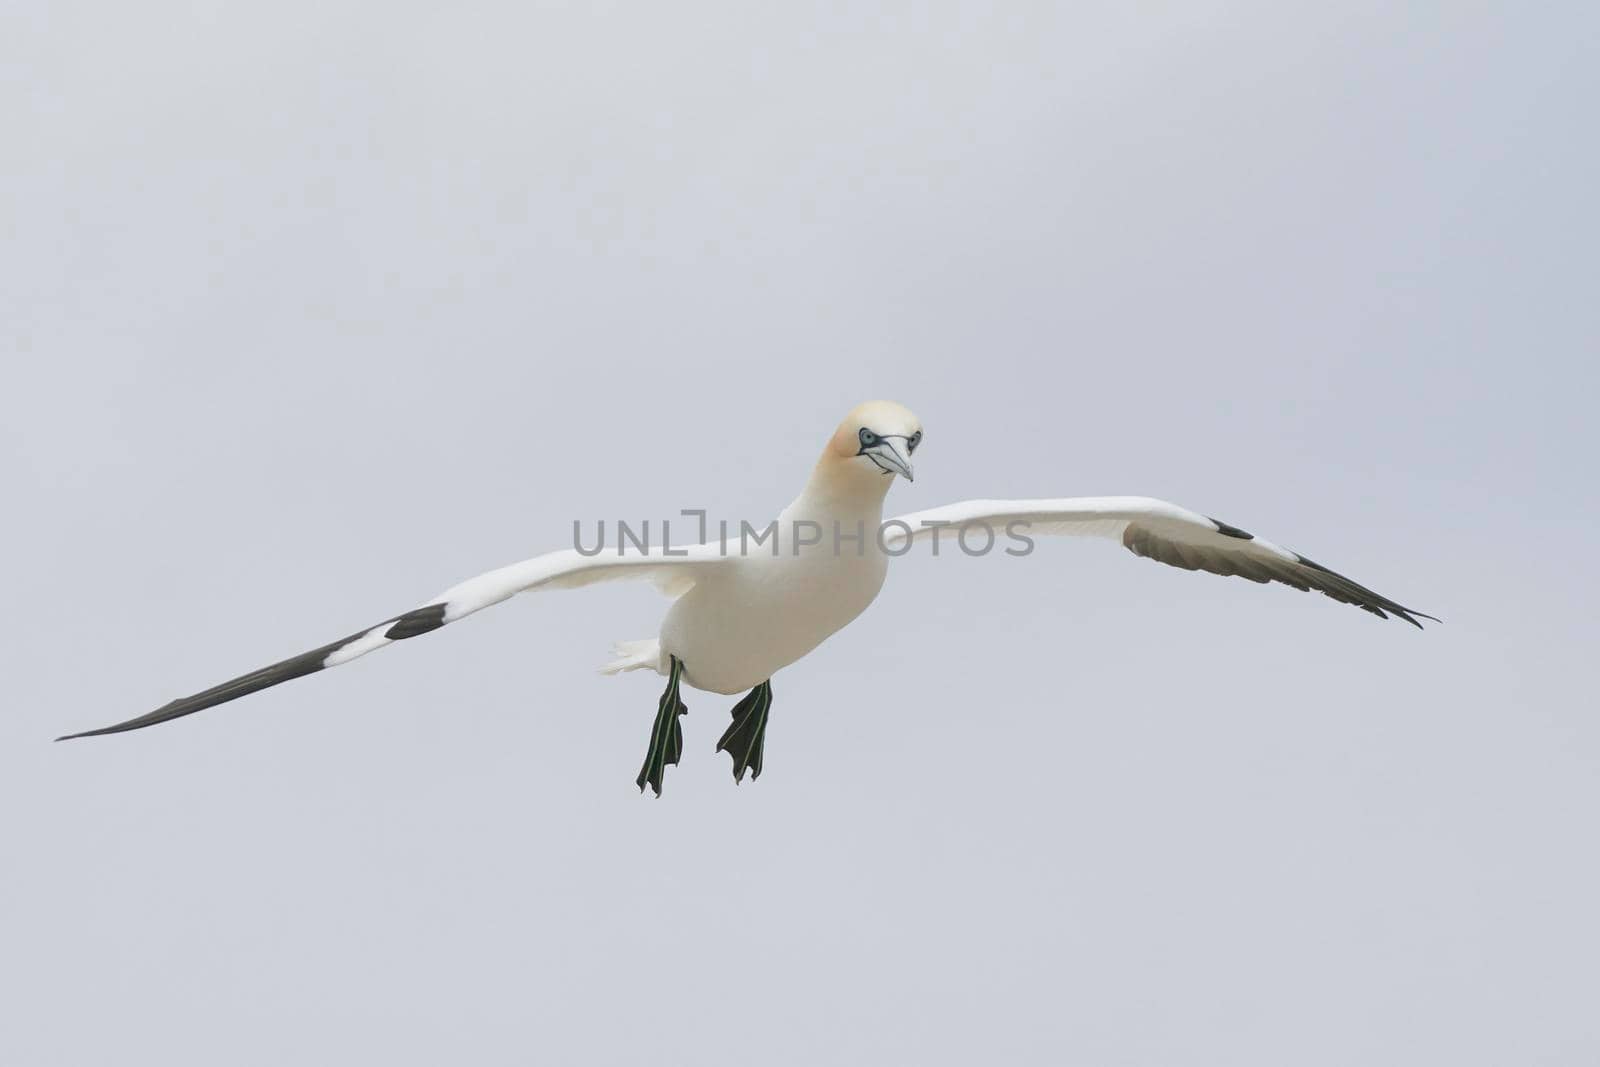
(634, 656)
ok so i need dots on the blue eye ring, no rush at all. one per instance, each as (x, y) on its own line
(914, 440)
(867, 438)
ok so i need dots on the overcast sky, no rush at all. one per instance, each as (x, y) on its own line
(313, 309)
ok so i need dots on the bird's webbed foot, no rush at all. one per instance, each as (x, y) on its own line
(666, 736)
(745, 738)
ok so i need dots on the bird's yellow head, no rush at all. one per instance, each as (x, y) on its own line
(875, 441)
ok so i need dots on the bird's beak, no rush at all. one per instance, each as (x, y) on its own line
(890, 456)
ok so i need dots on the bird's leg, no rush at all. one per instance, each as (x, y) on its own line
(666, 737)
(744, 739)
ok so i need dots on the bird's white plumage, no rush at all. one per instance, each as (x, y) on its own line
(1083, 516)
(567, 569)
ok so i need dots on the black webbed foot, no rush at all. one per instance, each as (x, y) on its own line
(746, 737)
(666, 736)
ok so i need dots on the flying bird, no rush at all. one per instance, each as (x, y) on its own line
(741, 613)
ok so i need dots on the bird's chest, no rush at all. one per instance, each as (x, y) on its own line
(791, 602)
(831, 587)
(768, 611)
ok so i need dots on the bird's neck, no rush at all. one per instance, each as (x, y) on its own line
(839, 491)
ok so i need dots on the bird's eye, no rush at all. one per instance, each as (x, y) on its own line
(868, 438)
(916, 439)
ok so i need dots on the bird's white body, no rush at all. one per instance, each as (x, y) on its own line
(770, 605)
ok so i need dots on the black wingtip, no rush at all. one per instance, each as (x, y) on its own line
(117, 729)
(412, 624)
(1408, 613)
(93, 733)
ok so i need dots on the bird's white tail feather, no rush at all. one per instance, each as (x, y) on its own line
(634, 656)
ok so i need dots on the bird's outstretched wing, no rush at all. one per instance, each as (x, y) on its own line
(1150, 528)
(557, 570)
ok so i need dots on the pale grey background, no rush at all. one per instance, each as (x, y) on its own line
(312, 309)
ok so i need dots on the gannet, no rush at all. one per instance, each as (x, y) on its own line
(743, 611)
